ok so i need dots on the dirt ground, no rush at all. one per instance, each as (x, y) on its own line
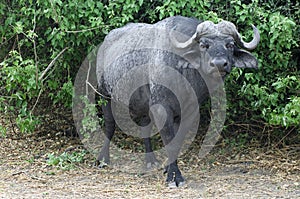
(24, 173)
(227, 172)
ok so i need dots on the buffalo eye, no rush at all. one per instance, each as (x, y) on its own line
(230, 45)
(203, 46)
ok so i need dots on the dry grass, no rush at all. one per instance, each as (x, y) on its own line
(227, 172)
(25, 174)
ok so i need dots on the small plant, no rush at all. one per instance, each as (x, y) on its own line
(30, 160)
(27, 122)
(91, 121)
(3, 131)
(64, 94)
(238, 142)
(66, 161)
(19, 87)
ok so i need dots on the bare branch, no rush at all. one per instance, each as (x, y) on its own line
(35, 50)
(88, 83)
(87, 77)
(85, 30)
(52, 63)
(37, 100)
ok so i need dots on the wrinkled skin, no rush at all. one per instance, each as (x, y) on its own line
(215, 54)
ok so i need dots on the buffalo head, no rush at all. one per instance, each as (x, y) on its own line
(220, 46)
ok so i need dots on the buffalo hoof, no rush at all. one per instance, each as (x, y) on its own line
(174, 177)
(101, 164)
(173, 185)
(152, 165)
(151, 161)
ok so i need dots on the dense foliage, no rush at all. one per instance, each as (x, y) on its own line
(44, 42)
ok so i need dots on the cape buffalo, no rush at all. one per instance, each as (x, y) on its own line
(161, 73)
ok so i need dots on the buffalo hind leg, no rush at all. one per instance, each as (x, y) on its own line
(150, 159)
(103, 158)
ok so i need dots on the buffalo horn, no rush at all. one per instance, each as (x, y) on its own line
(252, 44)
(202, 28)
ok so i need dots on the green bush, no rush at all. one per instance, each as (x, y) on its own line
(44, 42)
(270, 94)
(66, 161)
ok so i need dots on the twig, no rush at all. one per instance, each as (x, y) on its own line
(34, 50)
(85, 30)
(31, 176)
(87, 77)
(88, 83)
(12, 124)
(6, 40)
(283, 137)
(18, 44)
(37, 100)
(126, 190)
(52, 63)
(73, 148)
(45, 71)
(18, 173)
(242, 161)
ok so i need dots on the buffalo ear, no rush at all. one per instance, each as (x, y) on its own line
(244, 59)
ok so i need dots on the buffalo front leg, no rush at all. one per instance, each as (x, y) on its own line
(174, 176)
(172, 145)
(103, 158)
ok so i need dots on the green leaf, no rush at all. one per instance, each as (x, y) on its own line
(141, 2)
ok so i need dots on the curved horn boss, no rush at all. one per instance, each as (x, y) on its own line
(224, 27)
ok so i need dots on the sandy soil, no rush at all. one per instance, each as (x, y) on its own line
(257, 173)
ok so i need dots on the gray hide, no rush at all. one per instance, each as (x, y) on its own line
(162, 72)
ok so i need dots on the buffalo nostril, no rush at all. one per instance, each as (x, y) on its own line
(219, 63)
